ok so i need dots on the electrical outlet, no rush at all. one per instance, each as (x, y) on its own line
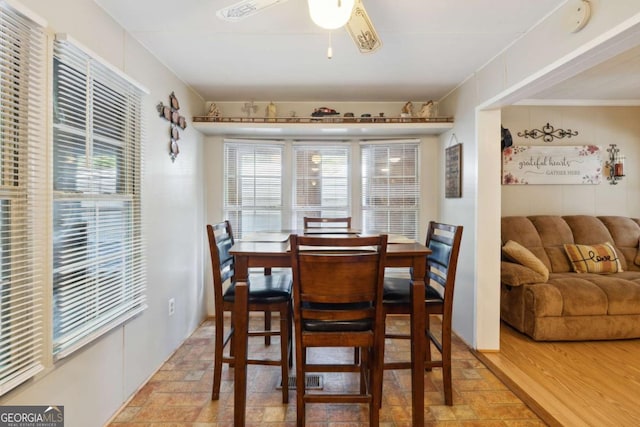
(172, 306)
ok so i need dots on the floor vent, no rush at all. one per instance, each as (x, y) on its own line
(313, 382)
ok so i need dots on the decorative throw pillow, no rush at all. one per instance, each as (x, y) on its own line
(518, 253)
(600, 258)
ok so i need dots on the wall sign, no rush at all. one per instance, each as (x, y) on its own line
(578, 164)
(453, 171)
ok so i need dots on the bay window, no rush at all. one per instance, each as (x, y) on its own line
(262, 193)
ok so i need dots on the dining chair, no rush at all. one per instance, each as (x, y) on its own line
(267, 294)
(336, 222)
(337, 300)
(444, 242)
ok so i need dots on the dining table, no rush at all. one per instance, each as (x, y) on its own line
(271, 250)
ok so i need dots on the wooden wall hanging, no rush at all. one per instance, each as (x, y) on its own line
(171, 114)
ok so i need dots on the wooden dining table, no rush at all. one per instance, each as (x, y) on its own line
(271, 250)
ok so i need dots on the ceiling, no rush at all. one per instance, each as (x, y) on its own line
(429, 47)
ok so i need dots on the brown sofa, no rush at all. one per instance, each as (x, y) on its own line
(569, 305)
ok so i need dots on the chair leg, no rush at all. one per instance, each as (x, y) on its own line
(379, 365)
(446, 364)
(300, 389)
(284, 351)
(217, 358)
(267, 327)
(291, 338)
(375, 383)
(427, 350)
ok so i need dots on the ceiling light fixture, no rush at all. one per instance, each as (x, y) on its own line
(330, 14)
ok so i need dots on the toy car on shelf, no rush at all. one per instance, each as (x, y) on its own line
(324, 111)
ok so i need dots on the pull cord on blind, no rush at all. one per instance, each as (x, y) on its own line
(98, 251)
(22, 195)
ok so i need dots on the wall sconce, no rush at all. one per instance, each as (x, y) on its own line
(614, 166)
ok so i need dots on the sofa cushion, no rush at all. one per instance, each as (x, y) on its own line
(601, 258)
(625, 233)
(554, 233)
(575, 297)
(518, 253)
(523, 231)
(513, 274)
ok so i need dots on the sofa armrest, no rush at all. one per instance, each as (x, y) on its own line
(514, 274)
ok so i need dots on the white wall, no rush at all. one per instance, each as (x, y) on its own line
(545, 55)
(595, 125)
(94, 382)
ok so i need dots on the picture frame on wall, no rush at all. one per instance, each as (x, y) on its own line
(453, 171)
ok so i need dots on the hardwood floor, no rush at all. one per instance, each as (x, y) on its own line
(593, 383)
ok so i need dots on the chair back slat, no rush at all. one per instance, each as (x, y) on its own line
(222, 262)
(337, 278)
(444, 242)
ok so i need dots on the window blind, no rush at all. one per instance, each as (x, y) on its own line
(321, 182)
(98, 251)
(391, 187)
(22, 196)
(253, 186)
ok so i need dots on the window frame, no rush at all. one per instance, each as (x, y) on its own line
(99, 266)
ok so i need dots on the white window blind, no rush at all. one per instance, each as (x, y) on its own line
(321, 182)
(22, 196)
(391, 187)
(98, 255)
(253, 186)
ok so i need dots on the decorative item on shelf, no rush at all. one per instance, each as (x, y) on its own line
(171, 114)
(271, 111)
(548, 133)
(428, 110)
(293, 116)
(324, 111)
(249, 107)
(349, 117)
(407, 110)
(214, 111)
(614, 166)
(365, 118)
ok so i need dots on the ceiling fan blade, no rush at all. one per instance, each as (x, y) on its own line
(361, 29)
(245, 8)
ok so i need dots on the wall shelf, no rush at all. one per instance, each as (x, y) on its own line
(325, 127)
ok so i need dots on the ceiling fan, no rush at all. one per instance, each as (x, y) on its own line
(358, 25)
